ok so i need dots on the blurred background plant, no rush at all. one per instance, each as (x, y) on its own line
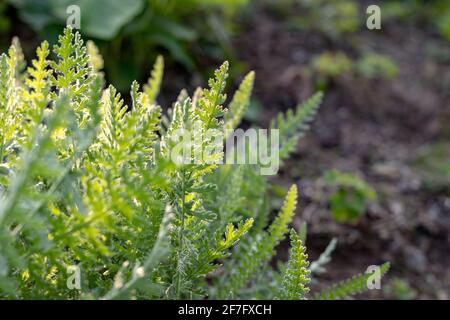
(372, 65)
(350, 197)
(334, 18)
(401, 290)
(329, 66)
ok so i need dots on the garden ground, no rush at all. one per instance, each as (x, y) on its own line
(393, 133)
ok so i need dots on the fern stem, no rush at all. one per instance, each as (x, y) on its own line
(181, 233)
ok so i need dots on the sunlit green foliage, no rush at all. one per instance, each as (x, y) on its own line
(295, 123)
(296, 274)
(88, 182)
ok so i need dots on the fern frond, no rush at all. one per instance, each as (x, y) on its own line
(37, 149)
(356, 284)
(261, 251)
(151, 89)
(95, 59)
(10, 116)
(296, 274)
(21, 64)
(293, 124)
(179, 121)
(205, 260)
(7, 80)
(229, 179)
(148, 124)
(209, 106)
(113, 109)
(278, 228)
(232, 235)
(73, 66)
(37, 85)
(159, 251)
(38, 74)
(240, 102)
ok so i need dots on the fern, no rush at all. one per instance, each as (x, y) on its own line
(350, 287)
(296, 275)
(263, 248)
(88, 181)
(294, 124)
(73, 66)
(95, 59)
(210, 103)
(151, 89)
(8, 113)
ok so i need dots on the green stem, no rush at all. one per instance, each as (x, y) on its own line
(181, 232)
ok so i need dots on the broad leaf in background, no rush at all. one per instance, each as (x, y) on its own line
(101, 19)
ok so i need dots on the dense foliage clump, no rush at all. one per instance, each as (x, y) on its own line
(87, 183)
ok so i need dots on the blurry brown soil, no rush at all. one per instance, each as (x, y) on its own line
(374, 128)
